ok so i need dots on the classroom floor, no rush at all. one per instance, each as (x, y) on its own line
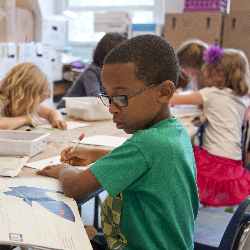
(88, 211)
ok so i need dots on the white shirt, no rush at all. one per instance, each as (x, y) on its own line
(225, 114)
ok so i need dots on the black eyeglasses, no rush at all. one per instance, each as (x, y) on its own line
(122, 100)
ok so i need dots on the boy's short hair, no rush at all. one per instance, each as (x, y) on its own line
(153, 56)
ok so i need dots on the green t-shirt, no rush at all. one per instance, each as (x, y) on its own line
(151, 181)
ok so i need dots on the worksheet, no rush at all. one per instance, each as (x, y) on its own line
(44, 163)
(70, 125)
(34, 212)
(48, 162)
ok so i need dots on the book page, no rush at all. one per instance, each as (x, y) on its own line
(34, 212)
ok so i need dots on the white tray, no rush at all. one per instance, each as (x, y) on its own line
(87, 108)
(21, 142)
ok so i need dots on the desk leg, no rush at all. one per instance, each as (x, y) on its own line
(96, 212)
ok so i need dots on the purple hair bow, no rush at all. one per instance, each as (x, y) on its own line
(214, 54)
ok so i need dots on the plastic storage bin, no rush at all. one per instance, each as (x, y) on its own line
(87, 108)
(205, 5)
(18, 143)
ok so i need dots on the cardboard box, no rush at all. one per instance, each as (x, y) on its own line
(33, 6)
(20, 21)
(54, 33)
(25, 25)
(236, 32)
(206, 26)
(141, 29)
(7, 21)
(3, 59)
(56, 65)
(240, 6)
(11, 50)
(112, 22)
(21, 142)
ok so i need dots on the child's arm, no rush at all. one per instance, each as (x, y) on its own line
(10, 123)
(54, 116)
(194, 99)
(82, 156)
(75, 183)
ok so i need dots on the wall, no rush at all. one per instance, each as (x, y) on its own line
(47, 7)
(174, 6)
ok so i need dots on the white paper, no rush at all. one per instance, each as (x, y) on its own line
(70, 125)
(48, 162)
(44, 163)
(12, 165)
(104, 140)
(34, 212)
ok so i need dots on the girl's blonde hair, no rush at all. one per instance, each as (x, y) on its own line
(233, 72)
(190, 55)
(21, 89)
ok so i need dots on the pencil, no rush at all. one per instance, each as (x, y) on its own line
(77, 142)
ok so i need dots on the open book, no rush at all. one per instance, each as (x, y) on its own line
(35, 213)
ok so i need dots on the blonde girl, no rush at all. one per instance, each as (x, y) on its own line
(221, 178)
(22, 90)
(190, 55)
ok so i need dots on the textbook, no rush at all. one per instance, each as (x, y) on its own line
(35, 213)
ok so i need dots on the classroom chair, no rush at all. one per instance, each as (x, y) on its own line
(88, 197)
(215, 230)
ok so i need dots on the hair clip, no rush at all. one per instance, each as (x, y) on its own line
(214, 54)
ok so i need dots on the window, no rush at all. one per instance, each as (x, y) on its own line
(81, 35)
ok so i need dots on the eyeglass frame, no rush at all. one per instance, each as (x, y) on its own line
(138, 92)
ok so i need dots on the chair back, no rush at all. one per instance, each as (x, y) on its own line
(236, 235)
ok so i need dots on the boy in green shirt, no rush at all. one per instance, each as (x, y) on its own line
(152, 200)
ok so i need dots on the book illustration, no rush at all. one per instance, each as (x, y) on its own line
(32, 194)
(34, 212)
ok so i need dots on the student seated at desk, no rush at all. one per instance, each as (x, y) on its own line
(22, 90)
(152, 200)
(89, 81)
(190, 55)
(221, 178)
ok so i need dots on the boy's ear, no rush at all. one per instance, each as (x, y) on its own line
(166, 89)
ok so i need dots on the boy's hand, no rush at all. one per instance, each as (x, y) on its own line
(78, 157)
(53, 171)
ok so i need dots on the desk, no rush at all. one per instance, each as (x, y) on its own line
(61, 139)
